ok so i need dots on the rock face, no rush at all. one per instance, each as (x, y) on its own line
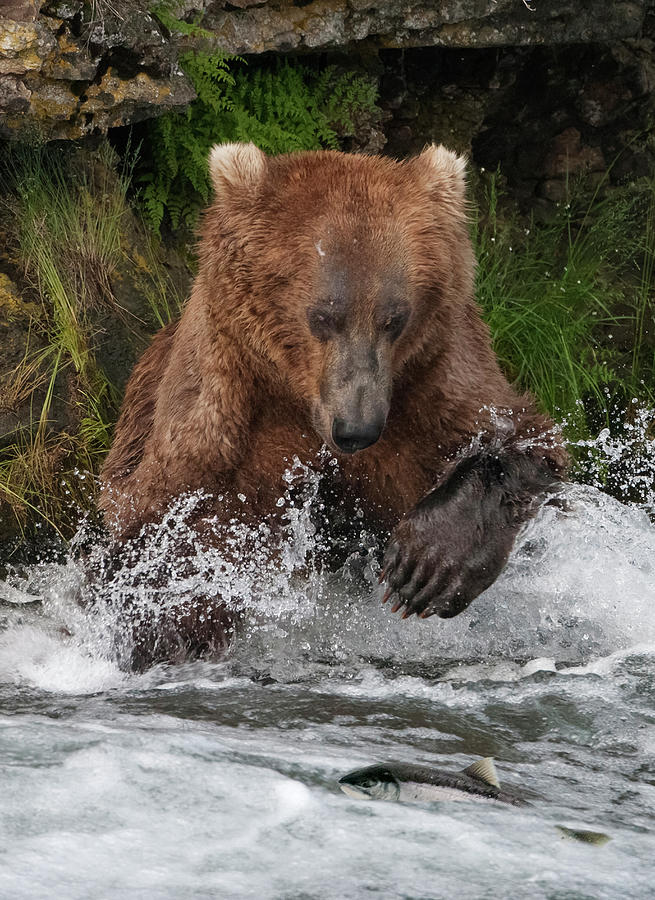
(545, 115)
(257, 27)
(71, 68)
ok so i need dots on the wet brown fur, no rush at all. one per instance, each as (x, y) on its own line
(224, 399)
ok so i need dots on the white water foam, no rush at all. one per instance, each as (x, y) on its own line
(201, 781)
(580, 584)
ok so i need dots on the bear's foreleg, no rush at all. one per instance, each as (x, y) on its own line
(455, 542)
(198, 628)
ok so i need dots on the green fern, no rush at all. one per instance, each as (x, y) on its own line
(282, 108)
(167, 11)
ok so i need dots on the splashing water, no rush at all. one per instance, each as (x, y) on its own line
(218, 779)
(623, 463)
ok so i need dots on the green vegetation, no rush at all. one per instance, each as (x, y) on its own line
(568, 302)
(71, 224)
(571, 307)
(281, 108)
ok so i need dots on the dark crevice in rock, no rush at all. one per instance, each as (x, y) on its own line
(125, 63)
(75, 25)
(538, 112)
(62, 30)
(78, 89)
(102, 70)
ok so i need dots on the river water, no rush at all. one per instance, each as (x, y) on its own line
(219, 780)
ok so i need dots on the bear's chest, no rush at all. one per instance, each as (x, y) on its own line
(346, 496)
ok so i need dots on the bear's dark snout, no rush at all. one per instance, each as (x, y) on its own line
(352, 436)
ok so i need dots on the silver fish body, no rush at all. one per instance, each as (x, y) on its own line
(421, 784)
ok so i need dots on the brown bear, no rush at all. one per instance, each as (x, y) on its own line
(334, 307)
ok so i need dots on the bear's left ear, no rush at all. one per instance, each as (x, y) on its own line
(236, 165)
(445, 172)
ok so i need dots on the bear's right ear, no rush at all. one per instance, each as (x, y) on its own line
(235, 165)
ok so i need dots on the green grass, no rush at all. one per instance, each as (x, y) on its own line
(70, 220)
(568, 302)
(643, 357)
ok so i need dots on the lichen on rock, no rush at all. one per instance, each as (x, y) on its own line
(55, 56)
(70, 69)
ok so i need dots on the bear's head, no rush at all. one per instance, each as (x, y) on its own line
(344, 273)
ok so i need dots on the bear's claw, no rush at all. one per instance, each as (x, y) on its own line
(452, 545)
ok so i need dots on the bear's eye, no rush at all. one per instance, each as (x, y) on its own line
(322, 324)
(394, 324)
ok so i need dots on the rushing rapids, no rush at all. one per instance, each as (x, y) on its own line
(219, 779)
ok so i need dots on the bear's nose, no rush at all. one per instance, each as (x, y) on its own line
(352, 436)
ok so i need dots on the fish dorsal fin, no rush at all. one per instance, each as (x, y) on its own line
(484, 770)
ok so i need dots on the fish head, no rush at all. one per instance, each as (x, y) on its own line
(372, 783)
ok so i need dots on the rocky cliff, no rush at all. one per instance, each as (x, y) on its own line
(70, 68)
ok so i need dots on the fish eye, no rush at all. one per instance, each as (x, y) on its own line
(369, 782)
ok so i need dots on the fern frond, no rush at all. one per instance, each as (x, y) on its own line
(281, 108)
